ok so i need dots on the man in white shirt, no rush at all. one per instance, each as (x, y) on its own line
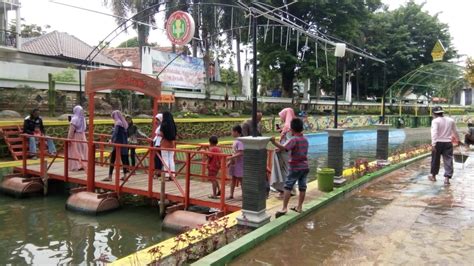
(443, 129)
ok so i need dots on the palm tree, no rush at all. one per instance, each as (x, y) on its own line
(122, 9)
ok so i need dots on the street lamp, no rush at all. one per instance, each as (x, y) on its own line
(339, 52)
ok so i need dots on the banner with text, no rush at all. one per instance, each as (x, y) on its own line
(184, 72)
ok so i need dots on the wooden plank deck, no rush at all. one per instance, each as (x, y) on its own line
(138, 184)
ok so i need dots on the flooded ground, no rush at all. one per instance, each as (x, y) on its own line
(403, 219)
(40, 231)
(361, 144)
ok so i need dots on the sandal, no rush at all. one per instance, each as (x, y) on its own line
(295, 209)
(278, 214)
(212, 197)
(107, 179)
(432, 178)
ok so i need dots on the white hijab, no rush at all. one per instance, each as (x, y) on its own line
(157, 139)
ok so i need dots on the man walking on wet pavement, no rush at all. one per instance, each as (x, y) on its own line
(442, 131)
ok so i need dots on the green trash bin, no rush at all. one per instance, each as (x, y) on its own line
(326, 179)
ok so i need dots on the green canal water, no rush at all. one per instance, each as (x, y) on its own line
(40, 231)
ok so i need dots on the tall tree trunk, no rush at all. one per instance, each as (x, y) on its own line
(358, 81)
(195, 42)
(141, 41)
(239, 67)
(287, 78)
(344, 78)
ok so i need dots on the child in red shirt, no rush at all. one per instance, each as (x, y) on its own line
(213, 166)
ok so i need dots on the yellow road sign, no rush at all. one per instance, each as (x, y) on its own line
(438, 51)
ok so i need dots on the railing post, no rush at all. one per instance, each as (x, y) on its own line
(223, 173)
(91, 146)
(42, 160)
(25, 154)
(66, 161)
(117, 163)
(162, 190)
(151, 171)
(101, 149)
(188, 181)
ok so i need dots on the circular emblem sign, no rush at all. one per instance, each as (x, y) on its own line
(180, 28)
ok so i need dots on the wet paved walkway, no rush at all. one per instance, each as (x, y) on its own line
(402, 219)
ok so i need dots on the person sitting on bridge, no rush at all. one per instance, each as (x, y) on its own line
(34, 123)
(469, 137)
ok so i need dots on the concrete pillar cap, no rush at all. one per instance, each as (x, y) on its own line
(335, 132)
(254, 143)
(383, 126)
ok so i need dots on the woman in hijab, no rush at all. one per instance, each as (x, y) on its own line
(157, 143)
(119, 136)
(133, 133)
(168, 141)
(280, 158)
(77, 151)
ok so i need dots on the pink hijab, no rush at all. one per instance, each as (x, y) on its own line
(78, 120)
(286, 116)
(119, 120)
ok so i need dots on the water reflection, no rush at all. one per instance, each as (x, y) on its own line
(41, 231)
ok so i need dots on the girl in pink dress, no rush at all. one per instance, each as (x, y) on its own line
(77, 152)
(236, 161)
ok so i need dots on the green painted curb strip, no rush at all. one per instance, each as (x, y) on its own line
(227, 253)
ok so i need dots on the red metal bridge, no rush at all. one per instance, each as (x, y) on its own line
(189, 185)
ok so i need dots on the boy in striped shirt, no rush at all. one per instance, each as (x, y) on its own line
(298, 165)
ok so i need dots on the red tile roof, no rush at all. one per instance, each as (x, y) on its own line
(62, 44)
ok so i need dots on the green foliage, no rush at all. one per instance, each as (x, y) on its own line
(132, 42)
(229, 76)
(30, 30)
(405, 37)
(68, 75)
(470, 71)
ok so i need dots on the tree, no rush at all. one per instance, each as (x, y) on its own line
(344, 21)
(30, 30)
(68, 75)
(405, 38)
(132, 42)
(470, 71)
(144, 13)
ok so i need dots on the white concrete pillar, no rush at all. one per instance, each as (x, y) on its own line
(463, 98)
(147, 61)
(18, 28)
(307, 85)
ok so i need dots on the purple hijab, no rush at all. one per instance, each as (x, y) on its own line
(119, 120)
(78, 120)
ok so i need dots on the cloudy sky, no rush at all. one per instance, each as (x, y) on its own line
(92, 27)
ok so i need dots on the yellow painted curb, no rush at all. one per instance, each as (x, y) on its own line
(167, 247)
(19, 122)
